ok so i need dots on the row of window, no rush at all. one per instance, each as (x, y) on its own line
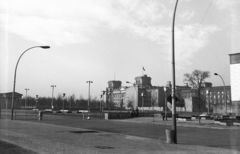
(214, 97)
(211, 94)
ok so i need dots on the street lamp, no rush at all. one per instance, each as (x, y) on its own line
(174, 126)
(52, 95)
(142, 94)
(89, 82)
(102, 104)
(152, 103)
(208, 93)
(121, 95)
(70, 107)
(63, 102)
(26, 97)
(109, 100)
(36, 101)
(15, 74)
(225, 95)
(130, 82)
(165, 100)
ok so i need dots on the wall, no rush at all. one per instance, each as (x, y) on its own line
(235, 82)
(131, 97)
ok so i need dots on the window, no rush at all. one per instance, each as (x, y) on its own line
(214, 99)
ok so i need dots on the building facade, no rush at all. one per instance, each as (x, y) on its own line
(235, 81)
(141, 95)
(6, 100)
(212, 99)
(144, 96)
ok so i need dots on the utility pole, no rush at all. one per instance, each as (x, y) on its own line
(89, 82)
(174, 126)
(63, 102)
(52, 95)
(26, 97)
(36, 101)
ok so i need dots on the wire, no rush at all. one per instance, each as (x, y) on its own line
(198, 26)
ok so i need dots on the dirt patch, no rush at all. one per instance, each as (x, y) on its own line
(8, 148)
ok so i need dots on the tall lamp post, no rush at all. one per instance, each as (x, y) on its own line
(130, 82)
(63, 102)
(121, 97)
(174, 126)
(26, 97)
(142, 94)
(89, 82)
(225, 95)
(52, 95)
(109, 100)
(165, 100)
(102, 104)
(36, 101)
(70, 107)
(15, 74)
(208, 93)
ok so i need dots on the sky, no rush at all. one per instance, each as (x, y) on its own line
(103, 40)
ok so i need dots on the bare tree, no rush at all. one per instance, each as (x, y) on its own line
(129, 103)
(195, 81)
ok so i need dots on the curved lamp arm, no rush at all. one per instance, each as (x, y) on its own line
(15, 74)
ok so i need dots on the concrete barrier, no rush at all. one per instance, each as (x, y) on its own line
(184, 118)
(169, 136)
(193, 118)
(106, 116)
(236, 124)
(228, 123)
(40, 115)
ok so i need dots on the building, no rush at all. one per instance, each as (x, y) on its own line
(6, 100)
(212, 99)
(144, 96)
(235, 82)
(140, 94)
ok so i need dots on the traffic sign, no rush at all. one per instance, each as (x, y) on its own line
(169, 98)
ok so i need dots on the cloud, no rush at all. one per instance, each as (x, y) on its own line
(223, 4)
(75, 22)
(57, 22)
(186, 15)
(190, 39)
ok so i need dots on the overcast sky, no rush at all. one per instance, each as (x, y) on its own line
(102, 40)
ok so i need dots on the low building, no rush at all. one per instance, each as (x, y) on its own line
(6, 100)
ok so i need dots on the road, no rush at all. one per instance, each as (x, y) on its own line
(221, 138)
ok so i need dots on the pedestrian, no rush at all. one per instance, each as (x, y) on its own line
(163, 116)
(136, 111)
(132, 112)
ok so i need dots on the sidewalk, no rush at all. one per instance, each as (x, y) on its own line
(192, 123)
(46, 139)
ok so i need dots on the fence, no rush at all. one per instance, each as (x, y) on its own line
(25, 115)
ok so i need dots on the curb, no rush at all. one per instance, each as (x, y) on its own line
(181, 125)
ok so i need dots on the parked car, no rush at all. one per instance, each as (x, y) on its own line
(223, 116)
(204, 114)
(216, 116)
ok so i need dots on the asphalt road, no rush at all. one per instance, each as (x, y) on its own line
(7, 148)
(221, 138)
